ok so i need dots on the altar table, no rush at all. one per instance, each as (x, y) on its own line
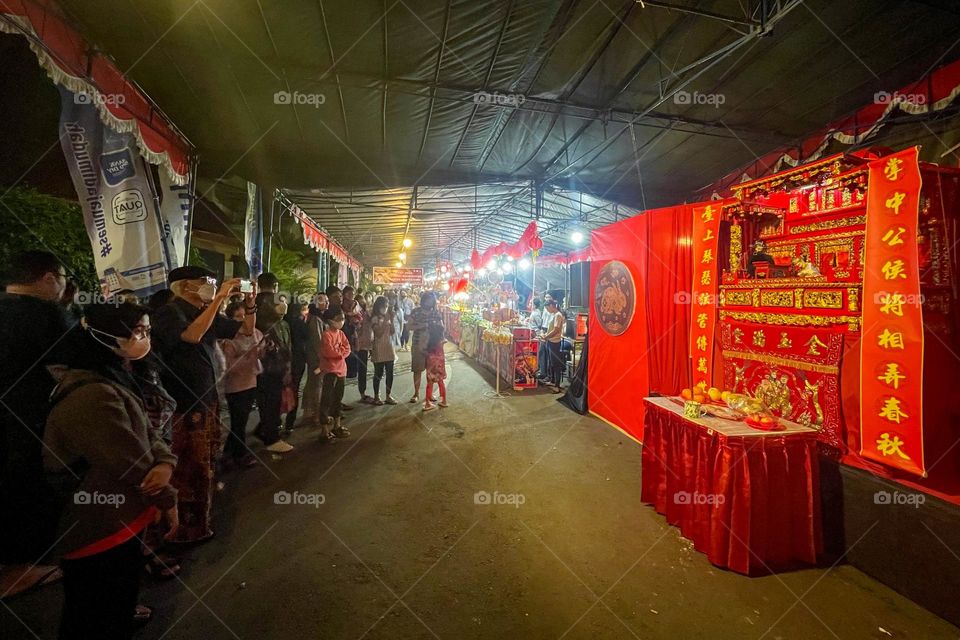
(748, 499)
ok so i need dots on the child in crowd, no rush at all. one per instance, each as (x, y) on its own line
(334, 349)
(436, 368)
(240, 383)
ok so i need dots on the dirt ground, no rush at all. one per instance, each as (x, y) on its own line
(404, 546)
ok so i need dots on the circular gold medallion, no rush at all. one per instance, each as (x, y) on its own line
(614, 298)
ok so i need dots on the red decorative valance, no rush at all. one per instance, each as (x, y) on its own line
(933, 93)
(71, 62)
(320, 241)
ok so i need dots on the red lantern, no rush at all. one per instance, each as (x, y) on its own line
(535, 244)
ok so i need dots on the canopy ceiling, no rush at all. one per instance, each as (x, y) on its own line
(447, 222)
(593, 86)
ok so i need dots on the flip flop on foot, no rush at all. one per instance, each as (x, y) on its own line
(280, 447)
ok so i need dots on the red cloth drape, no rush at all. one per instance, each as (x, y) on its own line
(617, 373)
(764, 506)
(668, 275)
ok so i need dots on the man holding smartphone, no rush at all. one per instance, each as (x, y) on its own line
(185, 332)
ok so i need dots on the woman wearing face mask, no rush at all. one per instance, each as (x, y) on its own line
(99, 439)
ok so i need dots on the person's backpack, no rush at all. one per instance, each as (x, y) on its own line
(276, 355)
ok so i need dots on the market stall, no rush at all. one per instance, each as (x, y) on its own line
(507, 348)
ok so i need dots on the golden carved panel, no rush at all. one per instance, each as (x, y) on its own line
(823, 299)
(776, 298)
(741, 298)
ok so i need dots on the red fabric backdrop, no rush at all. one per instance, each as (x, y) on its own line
(651, 356)
(617, 366)
(668, 275)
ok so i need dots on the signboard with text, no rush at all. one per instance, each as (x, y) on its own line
(397, 276)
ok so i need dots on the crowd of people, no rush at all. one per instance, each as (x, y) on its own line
(120, 419)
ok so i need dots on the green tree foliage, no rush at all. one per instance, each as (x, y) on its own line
(47, 223)
(293, 272)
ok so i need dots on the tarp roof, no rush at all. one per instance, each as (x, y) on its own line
(587, 87)
(447, 222)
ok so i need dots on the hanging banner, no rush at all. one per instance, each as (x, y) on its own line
(891, 352)
(397, 276)
(253, 231)
(703, 293)
(176, 206)
(118, 207)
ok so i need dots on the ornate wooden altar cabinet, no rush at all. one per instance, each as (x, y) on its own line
(794, 258)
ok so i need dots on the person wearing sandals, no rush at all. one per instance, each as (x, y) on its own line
(421, 319)
(101, 449)
(275, 356)
(185, 332)
(243, 366)
(334, 349)
(364, 346)
(436, 369)
(382, 353)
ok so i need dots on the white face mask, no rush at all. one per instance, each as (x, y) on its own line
(207, 292)
(135, 348)
(281, 309)
(128, 348)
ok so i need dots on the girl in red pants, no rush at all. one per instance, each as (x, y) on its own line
(436, 369)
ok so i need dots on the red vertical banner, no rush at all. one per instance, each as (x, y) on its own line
(703, 292)
(891, 353)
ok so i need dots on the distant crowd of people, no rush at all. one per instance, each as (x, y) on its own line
(110, 415)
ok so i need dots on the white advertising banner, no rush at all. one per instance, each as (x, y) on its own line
(118, 206)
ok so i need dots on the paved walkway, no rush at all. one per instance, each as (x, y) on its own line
(401, 549)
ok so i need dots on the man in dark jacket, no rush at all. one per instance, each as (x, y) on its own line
(34, 334)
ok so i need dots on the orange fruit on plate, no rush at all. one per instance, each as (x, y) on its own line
(686, 394)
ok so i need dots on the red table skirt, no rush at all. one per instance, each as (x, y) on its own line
(752, 504)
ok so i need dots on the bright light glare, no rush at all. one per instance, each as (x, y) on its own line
(407, 243)
(576, 237)
(524, 264)
(443, 269)
(492, 265)
(482, 272)
(466, 269)
(446, 286)
(507, 268)
(403, 255)
(399, 264)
